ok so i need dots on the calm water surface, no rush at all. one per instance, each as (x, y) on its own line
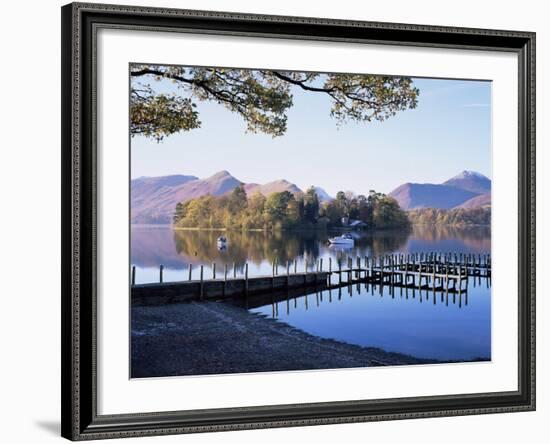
(455, 328)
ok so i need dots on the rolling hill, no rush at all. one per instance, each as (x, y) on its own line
(482, 200)
(465, 188)
(154, 204)
(153, 199)
(426, 195)
(277, 186)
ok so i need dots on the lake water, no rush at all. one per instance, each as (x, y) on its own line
(452, 328)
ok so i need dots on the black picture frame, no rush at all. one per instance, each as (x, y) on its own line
(80, 420)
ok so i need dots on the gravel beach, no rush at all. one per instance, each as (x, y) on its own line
(200, 338)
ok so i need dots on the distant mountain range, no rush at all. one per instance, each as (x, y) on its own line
(468, 189)
(153, 199)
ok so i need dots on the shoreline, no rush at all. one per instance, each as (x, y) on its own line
(206, 338)
(326, 230)
(261, 230)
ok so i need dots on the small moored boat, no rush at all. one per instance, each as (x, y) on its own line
(344, 239)
(222, 242)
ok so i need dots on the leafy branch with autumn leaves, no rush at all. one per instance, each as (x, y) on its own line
(261, 97)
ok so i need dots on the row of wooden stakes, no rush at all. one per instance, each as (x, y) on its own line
(399, 261)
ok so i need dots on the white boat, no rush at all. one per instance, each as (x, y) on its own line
(222, 242)
(344, 239)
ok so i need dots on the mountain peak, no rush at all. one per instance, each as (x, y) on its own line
(470, 181)
(275, 186)
(430, 195)
(221, 174)
(281, 182)
(322, 194)
(469, 173)
(458, 190)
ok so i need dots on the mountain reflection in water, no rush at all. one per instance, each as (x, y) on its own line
(155, 245)
(454, 329)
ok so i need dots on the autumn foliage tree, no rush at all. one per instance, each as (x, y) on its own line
(285, 211)
(455, 216)
(261, 97)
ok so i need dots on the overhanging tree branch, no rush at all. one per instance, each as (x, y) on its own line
(260, 97)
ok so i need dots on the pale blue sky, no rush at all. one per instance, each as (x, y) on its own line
(449, 131)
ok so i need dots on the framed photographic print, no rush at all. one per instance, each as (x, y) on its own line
(278, 221)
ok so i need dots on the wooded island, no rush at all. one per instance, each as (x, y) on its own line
(286, 211)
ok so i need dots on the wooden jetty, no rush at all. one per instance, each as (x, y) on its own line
(312, 296)
(437, 272)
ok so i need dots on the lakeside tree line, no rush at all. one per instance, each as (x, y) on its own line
(285, 211)
(456, 216)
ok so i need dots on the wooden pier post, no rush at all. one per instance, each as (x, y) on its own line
(295, 266)
(161, 270)
(213, 270)
(202, 283)
(339, 271)
(392, 267)
(433, 277)
(406, 268)
(287, 275)
(234, 270)
(446, 282)
(224, 278)
(190, 271)
(273, 276)
(133, 275)
(246, 279)
(373, 273)
(321, 265)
